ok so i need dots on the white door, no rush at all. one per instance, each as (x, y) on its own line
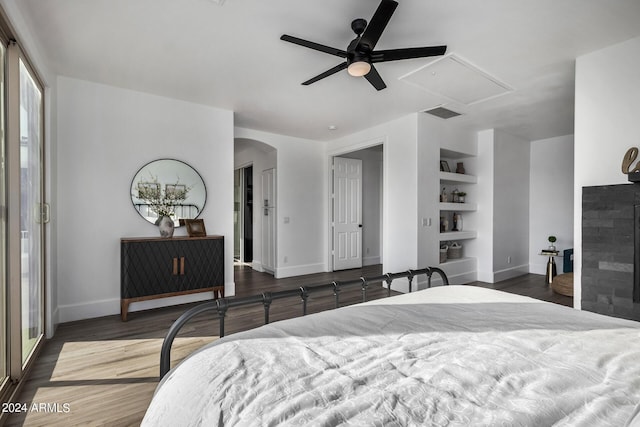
(268, 213)
(347, 213)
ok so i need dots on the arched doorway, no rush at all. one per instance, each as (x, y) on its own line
(254, 204)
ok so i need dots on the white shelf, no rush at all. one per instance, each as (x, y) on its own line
(458, 207)
(459, 270)
(457, 178)
(453, 154)
(458, 235)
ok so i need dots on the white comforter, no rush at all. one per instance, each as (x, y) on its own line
(414, 360)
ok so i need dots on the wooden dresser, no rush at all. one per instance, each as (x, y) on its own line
(153, 268)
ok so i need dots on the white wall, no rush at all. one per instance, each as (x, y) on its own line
(301, 189)
(503, 206)
(435, 134)
(550, 199)
(105, 134)
(510, 206)
(429, 138)
(484, 243)
(606, 125)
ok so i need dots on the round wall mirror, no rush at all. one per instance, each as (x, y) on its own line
(168, 187)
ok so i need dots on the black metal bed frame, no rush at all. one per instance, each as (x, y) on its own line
(266, 298)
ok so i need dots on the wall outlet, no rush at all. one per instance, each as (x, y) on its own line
(285, 259)
(508, 260)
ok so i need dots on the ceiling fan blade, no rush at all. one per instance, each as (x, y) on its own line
(377, 24)
(326, 73)
(374, 78)
(315, 46)
(408, 53)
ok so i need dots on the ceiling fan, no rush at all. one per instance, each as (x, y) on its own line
(360, 54)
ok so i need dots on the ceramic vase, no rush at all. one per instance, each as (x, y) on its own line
(460, 168)
(165, 225)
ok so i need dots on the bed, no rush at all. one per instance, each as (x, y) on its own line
(448, 355)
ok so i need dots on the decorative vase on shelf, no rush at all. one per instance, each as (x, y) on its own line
(454, 196)
(460, 168)
(166, 226)
(457, 222)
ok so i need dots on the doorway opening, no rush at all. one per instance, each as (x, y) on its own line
(255, 238)
(243, 215)
(356, 208)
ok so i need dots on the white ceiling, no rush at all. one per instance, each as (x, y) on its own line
(230, 56)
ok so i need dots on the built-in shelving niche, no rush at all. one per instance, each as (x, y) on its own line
(458, 267)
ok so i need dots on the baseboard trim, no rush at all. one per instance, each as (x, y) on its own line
(110, 307)
(257, 266)
(299, 270)
(373, 260)
(510, 273)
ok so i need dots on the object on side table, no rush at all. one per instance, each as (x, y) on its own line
(165, 226)
(195, 227)
(551, 265)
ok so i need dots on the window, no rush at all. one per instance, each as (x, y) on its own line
(4, 349)
(22, 214)
(31, 207)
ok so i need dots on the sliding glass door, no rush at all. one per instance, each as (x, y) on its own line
(22, 214)
(4, 349)
(22, 236)
(31, 211)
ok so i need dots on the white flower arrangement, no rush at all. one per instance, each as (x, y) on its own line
(162, 201)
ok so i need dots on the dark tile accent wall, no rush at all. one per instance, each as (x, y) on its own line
(608, 249)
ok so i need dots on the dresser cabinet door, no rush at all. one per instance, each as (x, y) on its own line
(164, 266)
(200, 264)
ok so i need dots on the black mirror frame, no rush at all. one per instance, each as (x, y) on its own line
(133, 180)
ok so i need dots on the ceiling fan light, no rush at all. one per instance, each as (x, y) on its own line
(359, 68)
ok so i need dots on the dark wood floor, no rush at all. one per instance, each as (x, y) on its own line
(107, 370)
(531, 285)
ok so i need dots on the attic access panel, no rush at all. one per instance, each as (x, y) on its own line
(457, 80)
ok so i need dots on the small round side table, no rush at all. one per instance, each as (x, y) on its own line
(551, 265)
